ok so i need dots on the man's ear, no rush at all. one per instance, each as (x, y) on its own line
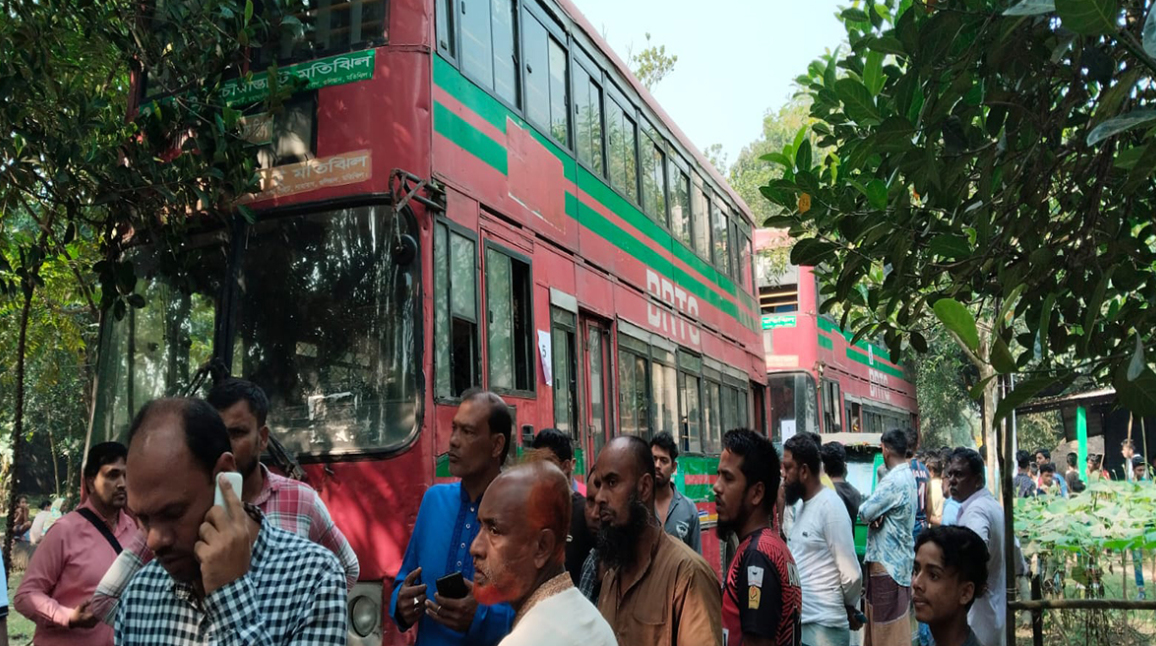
(646, 487)
(966, 594)
(264, 441)
(499, 446)
(224, 463)
(546, 548)
(757, 493)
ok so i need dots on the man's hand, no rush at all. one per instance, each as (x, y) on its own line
(226, 547)
(456, 614)
(411, 598)
(853, 618)
(877, 523)
(81, 617)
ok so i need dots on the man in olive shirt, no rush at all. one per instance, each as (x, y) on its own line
(657, 590)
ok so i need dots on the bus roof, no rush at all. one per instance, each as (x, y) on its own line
(624, 71)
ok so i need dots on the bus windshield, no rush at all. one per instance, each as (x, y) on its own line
(326, 322)
(154, 351)
(794, 405)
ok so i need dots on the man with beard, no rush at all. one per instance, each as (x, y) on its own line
(222, 574)
(981, 513)
(890, 515)
(519, 559)
(289, 504)
(823, 547)
(657, 590)
(678, 515)
(69, 562)
(762, 599)
(447, 523)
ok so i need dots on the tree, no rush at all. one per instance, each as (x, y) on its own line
(753, 169)
(73, 166)
(717, 157)
(992, 169)
(652, 64)
(943, 376)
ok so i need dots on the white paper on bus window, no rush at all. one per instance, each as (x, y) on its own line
(788, 428)
(546, 353)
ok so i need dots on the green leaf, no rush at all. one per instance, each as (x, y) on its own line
(959, 320)
(950, 247)
(810, 252)
(854, 15)
(777, 158)
(803, 156)
(248, 11)
(1137, 395)
(887, 45)
(1009, 303)
(136, 300)
(1025, 390)
(1089, 17)
(857, 100)
(1122, 123)
(1031, 8)
(894, 135)
(918, 342)
(1137, 364)
(1046, 323)
(877, 194)
(1001, 357)
(1150, 33)
(976, 391)
(873, 72)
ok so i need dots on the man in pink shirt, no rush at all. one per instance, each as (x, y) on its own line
(72, 558)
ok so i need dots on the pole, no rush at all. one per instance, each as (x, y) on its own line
(1037, 615)
(1009, 458)
(1082, 439)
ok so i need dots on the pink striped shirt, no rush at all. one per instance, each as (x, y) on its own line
(63, 573)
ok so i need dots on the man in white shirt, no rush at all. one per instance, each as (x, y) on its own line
(520, 559)
(824, 549)
(980, 513)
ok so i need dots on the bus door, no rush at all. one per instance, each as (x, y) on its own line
(598, 395)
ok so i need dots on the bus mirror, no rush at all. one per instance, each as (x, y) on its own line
(404, 250)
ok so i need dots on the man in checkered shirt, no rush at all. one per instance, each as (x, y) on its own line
(289, 504)
(222, 575)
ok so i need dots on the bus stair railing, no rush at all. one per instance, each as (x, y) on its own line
(216, 370)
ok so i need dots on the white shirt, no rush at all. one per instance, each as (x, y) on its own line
(983, 515)
(38, 522)
(565, 619)
(823, 545)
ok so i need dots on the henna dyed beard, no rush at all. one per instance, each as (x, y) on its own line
(618, 546)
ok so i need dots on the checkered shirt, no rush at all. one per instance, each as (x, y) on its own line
(293, 595)
(289, 504)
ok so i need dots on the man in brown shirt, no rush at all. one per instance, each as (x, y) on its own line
(657, 591)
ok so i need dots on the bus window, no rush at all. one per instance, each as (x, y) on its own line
(445, 28)
(456, 357)
(712, 418)
(700, 218)
(588, 111)
(653, 177)
(623, 156)
(326, 323)
(665, 394)
(154, 351)
(565, 372)
(598, 353)
(690, 412)
(679, 202)
(547, 96)
(489, 50)
(633, 388)
(832, 407)
(509, 327)
(328, 27)
(721, 256)
(794, 404)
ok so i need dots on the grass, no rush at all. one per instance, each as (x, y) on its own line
(20, 628)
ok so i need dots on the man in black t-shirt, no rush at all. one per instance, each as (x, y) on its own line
(580, 541)
(834, 458)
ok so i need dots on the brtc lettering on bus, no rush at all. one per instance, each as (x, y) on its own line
(676, 326)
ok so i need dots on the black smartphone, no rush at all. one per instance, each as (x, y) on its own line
(452, 586)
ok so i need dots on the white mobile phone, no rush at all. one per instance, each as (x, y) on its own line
(235, 481)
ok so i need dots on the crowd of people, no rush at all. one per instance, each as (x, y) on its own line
(517, 554)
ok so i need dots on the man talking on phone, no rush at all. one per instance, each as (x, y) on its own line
(222, 574)
(434, 588)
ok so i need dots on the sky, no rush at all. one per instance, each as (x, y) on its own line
(736, 58)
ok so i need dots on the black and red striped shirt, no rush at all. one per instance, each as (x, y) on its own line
(761, 595)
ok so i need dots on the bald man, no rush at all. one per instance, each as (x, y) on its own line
(520, 559)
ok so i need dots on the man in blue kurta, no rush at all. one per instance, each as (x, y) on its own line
(447, 524)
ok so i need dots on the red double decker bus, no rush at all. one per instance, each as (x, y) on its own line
(462, 193)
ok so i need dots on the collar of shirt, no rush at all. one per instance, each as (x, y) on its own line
(269, 486)
(555, 585)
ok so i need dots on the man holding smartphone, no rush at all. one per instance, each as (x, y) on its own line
(447, 524)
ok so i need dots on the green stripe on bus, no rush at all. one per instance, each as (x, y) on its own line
(442, 466)
(825, 342)
(491, 110)
(861, 357)
(462, 133)
(699, 493)
(881, 353)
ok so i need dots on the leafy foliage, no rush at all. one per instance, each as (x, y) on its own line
(652, 64)
(999, 159)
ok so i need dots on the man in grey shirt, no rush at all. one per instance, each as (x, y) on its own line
(676, 512)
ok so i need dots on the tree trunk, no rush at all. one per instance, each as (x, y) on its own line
(55, 457)
(17, 428)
